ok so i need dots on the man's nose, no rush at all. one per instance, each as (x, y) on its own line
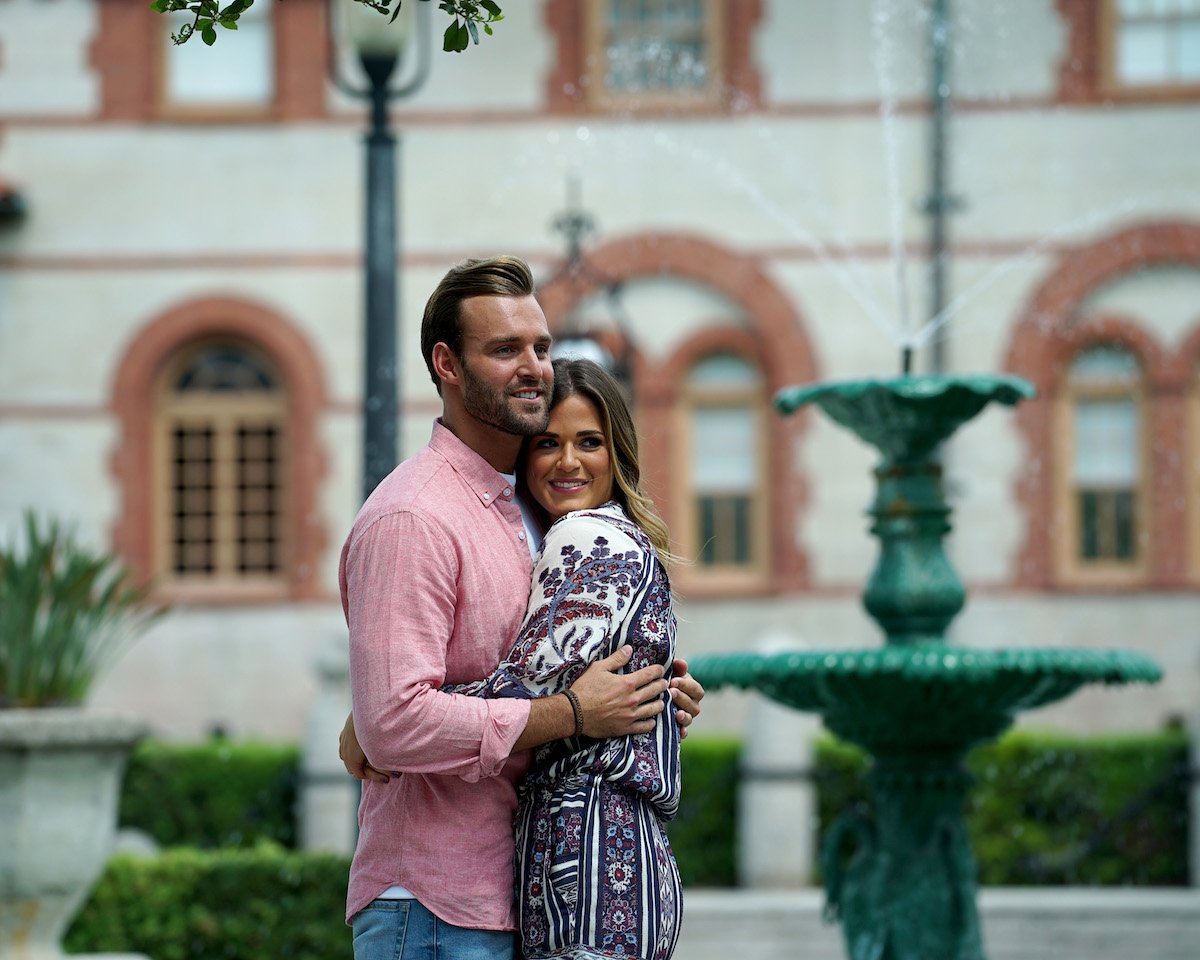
(531, 363)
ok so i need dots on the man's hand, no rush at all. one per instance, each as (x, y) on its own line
(686, 693)
(352, 756)
(615, 704)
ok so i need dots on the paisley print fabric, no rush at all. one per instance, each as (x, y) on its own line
(595, 873)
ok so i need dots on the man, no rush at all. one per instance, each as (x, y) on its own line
(434, 581)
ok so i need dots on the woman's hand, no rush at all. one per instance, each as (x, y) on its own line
(352, 756)
(686, 693)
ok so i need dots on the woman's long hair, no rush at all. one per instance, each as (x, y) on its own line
(587, 379)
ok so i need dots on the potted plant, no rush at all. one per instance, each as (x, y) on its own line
(65, 612)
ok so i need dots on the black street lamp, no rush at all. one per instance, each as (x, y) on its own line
(578, 340)
(380, 46)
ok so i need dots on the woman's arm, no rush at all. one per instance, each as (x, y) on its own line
(586, 578)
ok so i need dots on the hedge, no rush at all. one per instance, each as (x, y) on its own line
(1046, 809)
(703, 834)
(189, 904)
(1049, 809)
(212, 794)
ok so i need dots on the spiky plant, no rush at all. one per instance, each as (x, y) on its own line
(65, 613)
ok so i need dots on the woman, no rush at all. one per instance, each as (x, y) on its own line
(595, 874)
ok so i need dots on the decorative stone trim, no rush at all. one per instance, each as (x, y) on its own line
(1048, 333)
(776, 344)
(133, 390)
(127, 56)
(566, 84)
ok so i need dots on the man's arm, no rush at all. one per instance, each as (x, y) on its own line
(399, 582)
(551, 718)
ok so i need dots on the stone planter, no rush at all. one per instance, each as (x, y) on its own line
(60, 772)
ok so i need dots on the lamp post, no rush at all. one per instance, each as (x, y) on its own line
(380, 46)
(579, 342)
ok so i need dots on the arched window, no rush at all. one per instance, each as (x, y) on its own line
(221, 487)
(726, 496)
(1105, 492)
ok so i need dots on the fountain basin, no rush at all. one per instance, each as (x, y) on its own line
(906, 417)
(958, 696)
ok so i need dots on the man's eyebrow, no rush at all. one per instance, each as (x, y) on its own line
(502, 341)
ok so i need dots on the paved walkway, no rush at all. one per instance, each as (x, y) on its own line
(1068, 923)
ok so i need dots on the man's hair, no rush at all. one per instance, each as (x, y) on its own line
(496, 276)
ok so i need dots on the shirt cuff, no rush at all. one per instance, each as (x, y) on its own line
(506, 721)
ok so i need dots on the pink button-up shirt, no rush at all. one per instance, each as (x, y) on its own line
(434, 581)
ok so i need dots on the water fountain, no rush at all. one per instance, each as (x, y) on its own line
(902, 880)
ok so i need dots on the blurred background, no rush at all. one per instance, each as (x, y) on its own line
(724, 197)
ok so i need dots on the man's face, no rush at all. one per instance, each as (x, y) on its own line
(506, 368)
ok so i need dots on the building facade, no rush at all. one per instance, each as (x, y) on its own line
(181, 306)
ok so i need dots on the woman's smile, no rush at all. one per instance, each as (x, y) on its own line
(569, 466)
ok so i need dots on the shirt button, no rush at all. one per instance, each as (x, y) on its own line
(508, 491)
(521, 535)
(487, 496)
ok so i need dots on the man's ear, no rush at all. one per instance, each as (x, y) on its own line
(445, 364)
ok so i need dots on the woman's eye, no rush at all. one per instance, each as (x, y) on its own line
(543, 443)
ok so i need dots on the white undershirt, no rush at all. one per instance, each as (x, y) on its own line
(533, 533)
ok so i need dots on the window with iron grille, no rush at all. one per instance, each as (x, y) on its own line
(221, 461)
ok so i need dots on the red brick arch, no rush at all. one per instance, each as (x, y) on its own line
(1050, 330)
(774, 341)
(133, 391)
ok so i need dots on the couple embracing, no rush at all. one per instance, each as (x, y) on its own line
(481, 702)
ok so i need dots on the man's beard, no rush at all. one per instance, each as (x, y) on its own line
(491, 406)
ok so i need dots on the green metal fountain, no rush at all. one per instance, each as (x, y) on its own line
(902, 879)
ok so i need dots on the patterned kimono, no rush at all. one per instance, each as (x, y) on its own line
(595, 874)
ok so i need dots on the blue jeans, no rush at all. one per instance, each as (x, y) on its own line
(405, 930)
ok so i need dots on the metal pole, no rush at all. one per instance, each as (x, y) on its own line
(939, 203)
(381, 367)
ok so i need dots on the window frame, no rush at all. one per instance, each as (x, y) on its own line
(1072, 568)
(1191, 473)
(755, 574)
(167, 108)
(226, 413)
(1111, 84)
(706, 99)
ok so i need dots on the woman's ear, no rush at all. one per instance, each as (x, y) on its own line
(445, 364)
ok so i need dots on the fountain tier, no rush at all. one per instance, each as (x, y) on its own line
(902, 881)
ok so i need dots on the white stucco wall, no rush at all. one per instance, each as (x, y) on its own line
(805, 187)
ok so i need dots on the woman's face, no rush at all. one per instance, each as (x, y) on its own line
(569, 466)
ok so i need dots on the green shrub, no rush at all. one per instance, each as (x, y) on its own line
(66, 612)
(1052, 809)
(233, 904)
(213, 794)
(704, 833)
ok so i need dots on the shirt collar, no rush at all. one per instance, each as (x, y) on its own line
(484, 480)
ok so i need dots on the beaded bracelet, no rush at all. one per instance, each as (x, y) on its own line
(576, 709)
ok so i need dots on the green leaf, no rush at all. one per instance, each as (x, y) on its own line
(487, 28)
(456, 38)
(490, 7)
(209, 35)
(473, 30)
(159, 5)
